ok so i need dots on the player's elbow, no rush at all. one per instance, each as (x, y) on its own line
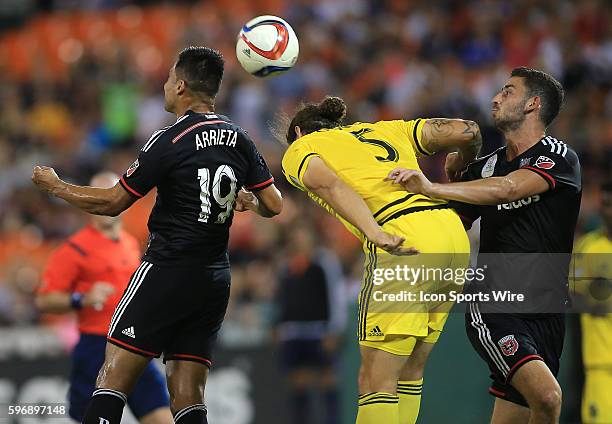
(507, 190)
(113, 210)
(114, 204)
(471, 133)
(105, 209)
(275, 206)
(272, 201)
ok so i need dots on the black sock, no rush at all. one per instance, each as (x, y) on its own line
(194, 414)
(105, 407)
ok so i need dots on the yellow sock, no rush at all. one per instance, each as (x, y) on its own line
(409, 393)
(377, 408)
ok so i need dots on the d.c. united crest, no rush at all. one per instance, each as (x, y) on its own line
(508, 344)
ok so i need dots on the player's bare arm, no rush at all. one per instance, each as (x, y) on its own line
(97, 201)
(443, 134)
(267, 202)
(489, 191)
(61, 302)
(322, 181)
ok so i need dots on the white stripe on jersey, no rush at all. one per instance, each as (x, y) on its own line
(556, 146)
(157, 134)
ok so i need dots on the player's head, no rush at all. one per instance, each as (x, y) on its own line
(196, 75)
(528, 94)
(104, 179)
(606, 204)
(312, 117)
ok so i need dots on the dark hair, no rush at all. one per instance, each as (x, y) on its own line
(546, 87)
(312, 117)
(201, 68)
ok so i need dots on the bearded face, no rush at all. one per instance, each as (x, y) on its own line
(508, 109)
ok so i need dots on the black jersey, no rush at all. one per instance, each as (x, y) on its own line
(198, 165)
(527, 243)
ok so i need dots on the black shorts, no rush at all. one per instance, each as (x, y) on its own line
(506, 342)
(176, 311)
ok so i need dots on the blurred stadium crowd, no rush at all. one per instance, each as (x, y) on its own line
(81, 90)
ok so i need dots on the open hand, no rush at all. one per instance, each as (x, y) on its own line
(392, 244)
(412, 180)
(45, 178)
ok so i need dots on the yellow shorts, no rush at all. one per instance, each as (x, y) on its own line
(405, 299)
(596, 400)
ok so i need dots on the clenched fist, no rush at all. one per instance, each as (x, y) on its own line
(45, 178)
(246, 201)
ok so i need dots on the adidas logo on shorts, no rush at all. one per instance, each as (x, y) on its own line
(376, 332)
(129, 332)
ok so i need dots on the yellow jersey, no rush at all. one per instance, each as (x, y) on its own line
(362, 155)
(594, 261)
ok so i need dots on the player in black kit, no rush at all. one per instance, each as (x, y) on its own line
(176, 300)
(528, 197)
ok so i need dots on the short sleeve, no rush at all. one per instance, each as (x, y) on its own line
(62, 270)
(413, 129)
(258, 175)
(295, 162)
(148, 169)
(558, 165)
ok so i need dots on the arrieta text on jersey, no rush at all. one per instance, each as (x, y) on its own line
(216, 137)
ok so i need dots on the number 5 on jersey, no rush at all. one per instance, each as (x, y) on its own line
(226, 202)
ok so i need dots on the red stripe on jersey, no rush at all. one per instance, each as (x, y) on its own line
(546, 175)
(199, 124)
(128, 188)
(270, 181)
(132, 348)
(198, 358)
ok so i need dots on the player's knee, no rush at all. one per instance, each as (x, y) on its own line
(413, 370)
(549, 401)
(371, 380)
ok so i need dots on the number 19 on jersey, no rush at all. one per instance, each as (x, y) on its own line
(225, 202)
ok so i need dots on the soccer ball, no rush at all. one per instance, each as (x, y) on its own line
(267, 46)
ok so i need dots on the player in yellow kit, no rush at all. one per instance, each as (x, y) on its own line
(594, 281)
(344, 169)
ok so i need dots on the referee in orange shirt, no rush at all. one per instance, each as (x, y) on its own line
(88, 274)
